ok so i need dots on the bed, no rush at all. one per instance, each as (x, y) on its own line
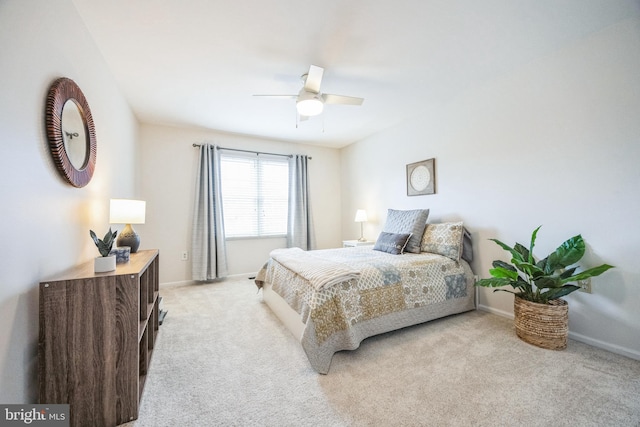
(332, 299)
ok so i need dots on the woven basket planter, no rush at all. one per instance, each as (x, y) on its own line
(543, 325)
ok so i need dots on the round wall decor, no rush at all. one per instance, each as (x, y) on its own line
(71, 132)
(421, 178)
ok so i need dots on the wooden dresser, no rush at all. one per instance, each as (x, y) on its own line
(97, 333)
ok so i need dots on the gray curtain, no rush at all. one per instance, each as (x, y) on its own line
(208, 250)
(300, 223)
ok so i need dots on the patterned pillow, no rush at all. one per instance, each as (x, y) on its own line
(391, 243)
(443, 239)
(411, 222)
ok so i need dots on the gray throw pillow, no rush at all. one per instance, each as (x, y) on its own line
(467, 247)
(391, 242)
(410, 222)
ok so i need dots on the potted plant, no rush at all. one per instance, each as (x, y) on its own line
(541, 316)
(105, 262)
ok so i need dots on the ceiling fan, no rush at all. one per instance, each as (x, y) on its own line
(310, 101)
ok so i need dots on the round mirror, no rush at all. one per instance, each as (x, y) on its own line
(71, 133)
(76, 143)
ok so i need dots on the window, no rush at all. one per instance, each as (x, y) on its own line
(255, 193)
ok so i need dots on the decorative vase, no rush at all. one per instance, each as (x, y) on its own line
(129, 237)
(102, 264)
(121, 253)
(543, 325)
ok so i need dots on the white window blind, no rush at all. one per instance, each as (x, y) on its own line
(255, 193)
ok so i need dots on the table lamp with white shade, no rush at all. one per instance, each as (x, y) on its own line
(361, 216)
(127, 211)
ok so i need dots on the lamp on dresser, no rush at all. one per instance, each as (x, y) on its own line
(361, 216)
(127, 211)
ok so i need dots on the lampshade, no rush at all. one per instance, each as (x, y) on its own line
(126, 211)
(309, 104)
(361, 216)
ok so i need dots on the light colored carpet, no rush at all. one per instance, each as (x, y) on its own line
(223, 359)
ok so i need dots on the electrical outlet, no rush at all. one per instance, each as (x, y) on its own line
(185, 256)
(585, 285)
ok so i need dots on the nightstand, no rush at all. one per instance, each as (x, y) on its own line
(354, 243)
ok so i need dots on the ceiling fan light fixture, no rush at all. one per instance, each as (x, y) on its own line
(310, 101)
(309, 104)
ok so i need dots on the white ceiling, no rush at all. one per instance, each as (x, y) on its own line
(198, 62)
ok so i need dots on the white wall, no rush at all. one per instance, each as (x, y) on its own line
(555, 143)
(168, 167)
(45, 221)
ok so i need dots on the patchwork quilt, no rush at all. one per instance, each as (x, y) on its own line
(390, 292)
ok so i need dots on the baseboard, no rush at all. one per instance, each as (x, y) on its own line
(613, 348)
(492, 310)
(178, 283)
(190, 282)
(241, 275)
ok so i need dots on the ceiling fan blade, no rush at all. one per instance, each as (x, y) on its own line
(314, 78)
(279, 96)
(341, 99)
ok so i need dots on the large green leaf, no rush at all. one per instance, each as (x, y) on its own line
(568, 273)
(592, 272)
(533, 243)
(104, 249)
(522, 285)
(548, 282)
(494, 282)
(569, 252)
(529, 269)
(560, 292)
(504, 273)
(94, 237)
(507, 248)
(542, 264)
(501, 264)
(524, 252)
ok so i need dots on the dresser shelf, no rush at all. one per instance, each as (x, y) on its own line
(97, 334)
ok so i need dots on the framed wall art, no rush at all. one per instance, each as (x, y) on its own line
(421, 178)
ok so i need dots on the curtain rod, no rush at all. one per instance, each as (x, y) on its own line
(249, 151)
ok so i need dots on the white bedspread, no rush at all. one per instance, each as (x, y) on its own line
(320, 272)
